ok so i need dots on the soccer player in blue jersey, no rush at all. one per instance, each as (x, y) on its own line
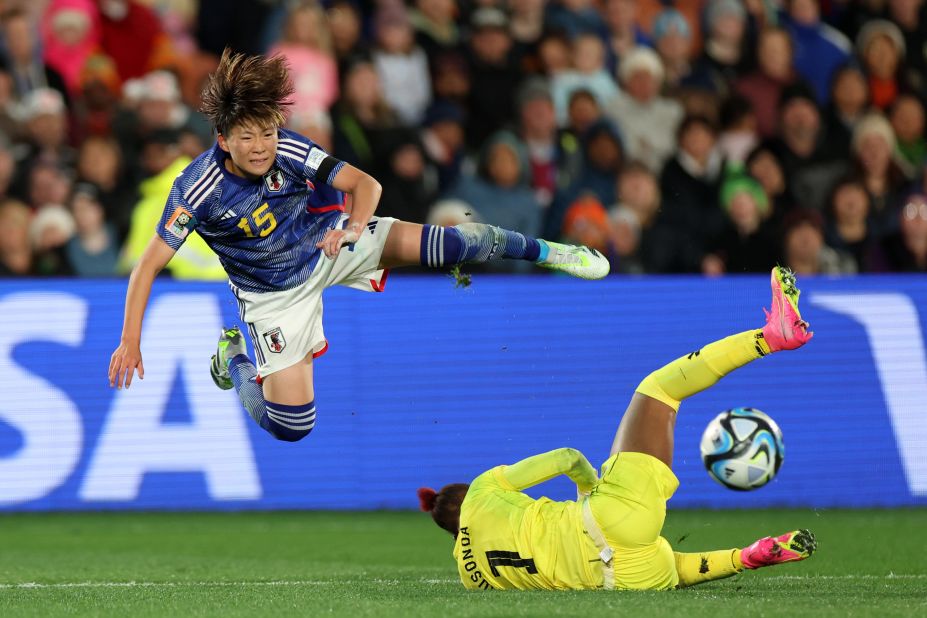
(270, 203)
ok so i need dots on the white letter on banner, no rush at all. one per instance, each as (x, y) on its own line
(894, 333)
(180, 331)
(45, 416)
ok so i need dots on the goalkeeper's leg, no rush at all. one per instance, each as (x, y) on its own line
(697, 568)
(648, 423)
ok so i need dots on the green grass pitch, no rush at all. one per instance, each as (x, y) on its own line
(869, 563)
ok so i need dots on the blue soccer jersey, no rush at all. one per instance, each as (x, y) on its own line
(264, 231)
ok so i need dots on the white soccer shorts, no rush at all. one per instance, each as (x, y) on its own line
(286, 326)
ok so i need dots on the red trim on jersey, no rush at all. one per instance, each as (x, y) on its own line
(258, 379)
(379, 286)
(329, 208)
(322, 351)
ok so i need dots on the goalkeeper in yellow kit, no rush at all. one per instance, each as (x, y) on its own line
(610, 538)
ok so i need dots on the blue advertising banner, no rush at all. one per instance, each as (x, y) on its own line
(429, 384)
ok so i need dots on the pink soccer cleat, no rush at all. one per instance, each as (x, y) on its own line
(784, 330)
(790, 547)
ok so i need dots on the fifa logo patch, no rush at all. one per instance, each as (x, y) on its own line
(274, 340)
(274, 180)
(180, 223)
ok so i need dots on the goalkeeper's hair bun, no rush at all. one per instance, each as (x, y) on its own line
(426, 499)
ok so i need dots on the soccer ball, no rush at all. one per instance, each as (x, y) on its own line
(742, 449)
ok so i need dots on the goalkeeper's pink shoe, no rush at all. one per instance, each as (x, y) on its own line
(790, 547)
(784, 330)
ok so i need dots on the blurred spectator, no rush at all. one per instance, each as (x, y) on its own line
(763, 165)
(450, 78)
(546, 153)
(494, 75)
(443, 141)
(603, 156)
(15, 246)
(810, 162)
(906, 250)
(344, 21)
(45, 116)
(151, 104)
(739, 134)
(848, 104)
(909, 16)
(162, 162)
(71, 33)
(624, 31)
(583, 112)
(819, 49)
(763, 86)
(554, 55)
(588, 72)
(7, 171)
(409, 186)
(93, 111)
(672, 38)
(24, 56)
(907, 119)
(435, 28)
(747, 244)
(100, 162)
(724, 56)
(647, 121)
(49, 185)
(881, 48)
(644, 242)
(361, 117)
(848, 228)
(586, 223)
(573, 17)
(94, 249)
(306, 44)
(402, 66)
(11, 129)
(500, 191)
(690, 183)
(133, 37)
(526, 23)
(804, 250)
(49, 231)
(873, 152)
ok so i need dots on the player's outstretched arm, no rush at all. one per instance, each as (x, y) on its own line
(128, 356)
(546, 466)
(365, 195)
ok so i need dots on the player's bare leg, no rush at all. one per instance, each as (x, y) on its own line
(412, 244)
(282, 404)
(291, 386)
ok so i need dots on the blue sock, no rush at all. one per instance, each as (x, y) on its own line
(288, 423)
(475, 242)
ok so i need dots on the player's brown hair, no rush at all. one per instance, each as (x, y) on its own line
(247, 89)
(444, 505)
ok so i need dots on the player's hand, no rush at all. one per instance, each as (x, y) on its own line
(125, 360)
(335, 239)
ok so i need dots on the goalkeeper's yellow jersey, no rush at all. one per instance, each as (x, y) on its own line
(509, 540)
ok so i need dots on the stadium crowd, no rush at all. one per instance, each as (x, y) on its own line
(713, 136)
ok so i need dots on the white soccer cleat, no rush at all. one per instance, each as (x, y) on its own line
(578, 261)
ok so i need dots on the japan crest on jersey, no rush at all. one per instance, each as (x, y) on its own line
(274, 180)
(274, 340)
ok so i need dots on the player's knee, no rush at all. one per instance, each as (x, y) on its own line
(289, 423)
